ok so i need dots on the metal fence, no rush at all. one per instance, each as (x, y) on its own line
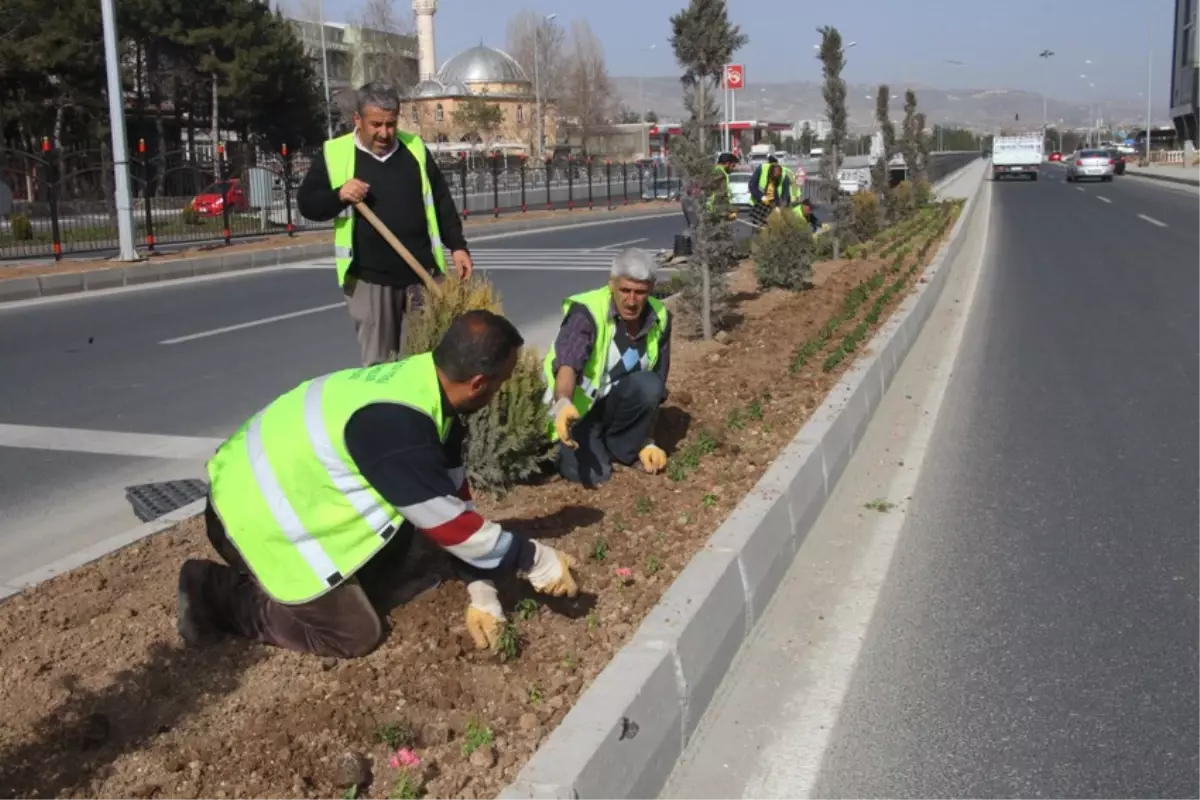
(63, 201)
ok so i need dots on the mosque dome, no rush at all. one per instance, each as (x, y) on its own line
(428, 88)
(456, 89)
(482, 64)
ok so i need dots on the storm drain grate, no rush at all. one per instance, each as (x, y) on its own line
(152, 500)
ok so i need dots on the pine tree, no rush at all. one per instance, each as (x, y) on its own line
(880, 170)
(704, 41)
(910, 143)
(833, 60)
(922, 146)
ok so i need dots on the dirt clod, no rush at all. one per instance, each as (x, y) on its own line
(352, 769)
(528, 722)
(483, 757)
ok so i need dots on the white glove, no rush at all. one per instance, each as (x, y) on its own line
(551, 571)
(485, 615)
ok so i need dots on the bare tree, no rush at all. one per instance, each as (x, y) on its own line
(524, 30)
(384, 58)
(588, 95)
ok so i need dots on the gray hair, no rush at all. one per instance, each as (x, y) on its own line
(635, 264)
(378, 94)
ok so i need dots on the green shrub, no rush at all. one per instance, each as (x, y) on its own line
(507, 441)
(922, 194)
(784, 252)
(190, 216)
(904, 200)
(20, 227)
(865, 210)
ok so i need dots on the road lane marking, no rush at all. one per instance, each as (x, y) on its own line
(1152, 221)
(108, 443)
(615, 245)
(1102, 198)
(252, 323)
(1079, 188)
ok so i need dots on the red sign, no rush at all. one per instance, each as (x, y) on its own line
(735, 76)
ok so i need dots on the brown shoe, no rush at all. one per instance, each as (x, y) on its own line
(193, 617)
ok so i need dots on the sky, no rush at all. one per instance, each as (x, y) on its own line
(906, 42)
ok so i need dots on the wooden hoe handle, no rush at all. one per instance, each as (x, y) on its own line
(408, 257)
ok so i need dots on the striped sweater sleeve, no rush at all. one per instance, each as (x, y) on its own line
(398, 452)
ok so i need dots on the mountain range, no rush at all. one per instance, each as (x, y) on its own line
(981, 110)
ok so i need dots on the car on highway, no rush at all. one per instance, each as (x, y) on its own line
(1055, 156)
(739, 189)
(1089, 163)
(1118, 160)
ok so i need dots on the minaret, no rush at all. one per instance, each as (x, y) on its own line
(425, 9)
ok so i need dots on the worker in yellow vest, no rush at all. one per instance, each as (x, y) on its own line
(314, 501)
(606, 374)
(394, 174)
(771, 187)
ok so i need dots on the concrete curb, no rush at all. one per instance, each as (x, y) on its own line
(60, 283)
(627, 731)
(99, 550)
(1168, 178)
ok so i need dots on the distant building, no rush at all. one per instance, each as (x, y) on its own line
(1185, 67)
(356, 54)
(819, 127)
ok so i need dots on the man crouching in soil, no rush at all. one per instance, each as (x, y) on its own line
(607, 374)
(314, 501)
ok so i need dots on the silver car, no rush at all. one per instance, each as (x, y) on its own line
(1091, 164)
(739, 189)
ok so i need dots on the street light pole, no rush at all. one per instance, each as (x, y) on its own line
(1045, 54)
(116, 115)
(642, 104)
(1149, 84)
(324, 71)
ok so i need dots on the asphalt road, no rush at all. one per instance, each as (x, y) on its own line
(78, 369)
(1038, 633)
(1032, 631)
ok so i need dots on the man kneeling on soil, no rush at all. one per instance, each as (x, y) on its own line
(607, 371)
(314, 500)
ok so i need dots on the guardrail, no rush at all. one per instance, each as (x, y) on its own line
(63, 201)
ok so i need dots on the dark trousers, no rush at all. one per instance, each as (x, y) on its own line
(343, 622)
(615, 429)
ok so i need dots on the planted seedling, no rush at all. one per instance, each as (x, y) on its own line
(653, 565)
(880, 505)
(709, 500)
(593, 622)
(527, 609)
(395, 735)
(351, 792)
(406, 787)
(755, 410)
(509, 642)
(599, 550)
(476, 735)
(618, 523)
(734, 419)
(570, 660)
(535, 693)
(643, 506)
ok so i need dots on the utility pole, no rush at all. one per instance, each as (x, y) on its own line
(537, 84)
(1149, 85)
(1045, 55)
(324, 72)
(116, 115)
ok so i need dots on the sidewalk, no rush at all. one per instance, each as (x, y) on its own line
(1174, 173)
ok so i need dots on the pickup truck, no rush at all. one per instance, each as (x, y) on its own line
(1017, 155)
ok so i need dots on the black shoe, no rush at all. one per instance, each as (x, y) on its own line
(193, 618)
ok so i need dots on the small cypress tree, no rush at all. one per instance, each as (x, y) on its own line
(507, 440)
(880, 171)
(833, 60)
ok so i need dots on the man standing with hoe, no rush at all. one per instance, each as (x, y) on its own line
(393, 174)
(607, 372)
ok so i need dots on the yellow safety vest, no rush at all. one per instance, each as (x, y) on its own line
(340, 153)
(291, 498)
(596, 380)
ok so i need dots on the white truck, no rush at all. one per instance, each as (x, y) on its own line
(1017, 155)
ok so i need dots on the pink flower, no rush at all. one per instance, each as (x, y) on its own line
(624, 572)
(405, 758)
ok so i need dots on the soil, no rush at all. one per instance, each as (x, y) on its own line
(19, 269)
(101, 700)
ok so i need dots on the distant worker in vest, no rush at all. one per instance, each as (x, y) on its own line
(771, 187)
(393, 173)
(314, 502)
(606, 374)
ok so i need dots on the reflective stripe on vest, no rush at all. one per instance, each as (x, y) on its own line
(292, 500)
(595, 380)
(340, 154)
